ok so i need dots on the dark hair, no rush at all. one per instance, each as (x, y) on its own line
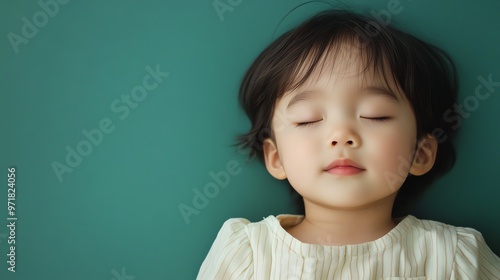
(425, 74)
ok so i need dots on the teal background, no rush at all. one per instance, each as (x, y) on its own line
(116, 213)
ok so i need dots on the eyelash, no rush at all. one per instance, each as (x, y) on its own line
(304, 124)
(378, 119)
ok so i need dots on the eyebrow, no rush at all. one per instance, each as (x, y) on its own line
(381, 91)
(301, 96)
(371, 90)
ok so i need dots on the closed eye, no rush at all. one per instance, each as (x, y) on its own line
(378, 119)
(305, 124)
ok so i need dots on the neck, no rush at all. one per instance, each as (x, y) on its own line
(341, 226)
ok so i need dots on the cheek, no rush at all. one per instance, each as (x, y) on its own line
(298, 155)
(295, 147)
(393, 149)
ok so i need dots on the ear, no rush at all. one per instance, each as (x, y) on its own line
(273, 161)
(425, 156)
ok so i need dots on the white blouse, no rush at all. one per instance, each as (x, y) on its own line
(414, 249)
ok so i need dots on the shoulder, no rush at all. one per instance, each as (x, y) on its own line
(230, 256)
(465, 248)
(473, 258)
(457, 236)
(430, 226)
(245, 229)
(234, 225)
(422, 233)
(232, 236)
(439, 230)
(232, 253)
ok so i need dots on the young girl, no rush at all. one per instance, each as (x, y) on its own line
(351, 113)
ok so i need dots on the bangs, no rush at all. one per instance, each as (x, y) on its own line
(337, 46)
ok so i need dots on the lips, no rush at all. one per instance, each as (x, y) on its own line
(344, 167)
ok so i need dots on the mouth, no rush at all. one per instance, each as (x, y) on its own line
(344, 167)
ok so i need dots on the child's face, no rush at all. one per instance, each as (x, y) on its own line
(342, 104)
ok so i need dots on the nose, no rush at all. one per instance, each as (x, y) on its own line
(344, 137)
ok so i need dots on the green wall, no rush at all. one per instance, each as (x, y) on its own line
(73, 69)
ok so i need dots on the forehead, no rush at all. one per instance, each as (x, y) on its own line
(347, 61)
